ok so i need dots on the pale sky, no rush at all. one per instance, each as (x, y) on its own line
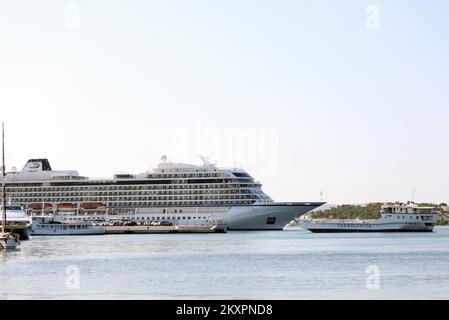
(348, 97)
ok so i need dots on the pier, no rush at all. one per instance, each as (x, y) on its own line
(165, 229)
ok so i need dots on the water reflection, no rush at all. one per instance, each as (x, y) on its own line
(264, 265)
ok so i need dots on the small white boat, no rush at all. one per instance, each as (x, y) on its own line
(17, 221)
(49, 226)
(9, 241)
(394, 218)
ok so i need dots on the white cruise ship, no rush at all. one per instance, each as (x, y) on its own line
(187, 194)
(395, 217)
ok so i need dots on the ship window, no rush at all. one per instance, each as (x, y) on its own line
(271, 220)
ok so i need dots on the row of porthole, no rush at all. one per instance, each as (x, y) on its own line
(133, 187)
(154, 218)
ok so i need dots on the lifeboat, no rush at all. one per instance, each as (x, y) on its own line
(92, 205)
(39, 206)
(66, 206)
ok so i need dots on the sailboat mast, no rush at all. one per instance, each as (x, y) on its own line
(3, 180)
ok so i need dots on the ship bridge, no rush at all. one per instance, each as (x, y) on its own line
(40, 170)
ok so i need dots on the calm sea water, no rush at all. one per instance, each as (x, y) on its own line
(257, 265)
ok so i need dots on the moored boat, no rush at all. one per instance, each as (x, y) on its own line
(9, 241)
(49, 226)
(395, 217)
(17, 221)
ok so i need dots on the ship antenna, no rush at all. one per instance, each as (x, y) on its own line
(413, 195)
(3, 181)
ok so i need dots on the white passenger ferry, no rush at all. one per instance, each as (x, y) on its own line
(52, 226)
(394, 218)
(172, 191)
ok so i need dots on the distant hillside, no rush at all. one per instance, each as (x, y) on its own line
(324, 207)
(350, 211)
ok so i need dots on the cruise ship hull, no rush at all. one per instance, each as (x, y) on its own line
(259, 217)
(272, 216)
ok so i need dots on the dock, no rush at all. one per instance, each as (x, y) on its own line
(165, 229)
